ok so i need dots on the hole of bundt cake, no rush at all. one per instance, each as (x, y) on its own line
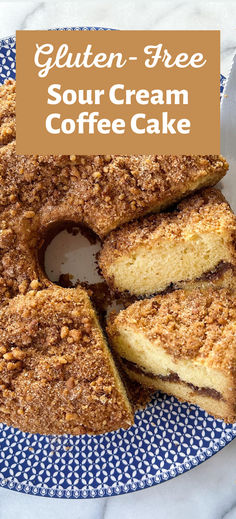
(68, 255)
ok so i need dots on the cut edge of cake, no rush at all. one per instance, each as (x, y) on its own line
(202, 397)
(189, 352)
(193, 245)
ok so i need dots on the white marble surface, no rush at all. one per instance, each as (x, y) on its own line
(126, 14)
(208, 491)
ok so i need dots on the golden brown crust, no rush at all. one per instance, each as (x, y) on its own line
(205, 211)
(198, 325)
(56, 373)
(103, 192)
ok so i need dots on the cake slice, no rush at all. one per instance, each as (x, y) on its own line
(190, 246)
(184, 344)
(56, 372)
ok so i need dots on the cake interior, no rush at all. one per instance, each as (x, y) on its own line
(205, 397)
(151, 268)
(187, 379)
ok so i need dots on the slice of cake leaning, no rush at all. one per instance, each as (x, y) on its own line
(193, 245)
(56, 372)
(184, 344)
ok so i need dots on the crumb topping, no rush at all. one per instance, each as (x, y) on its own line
(206, 211)
(55, 372)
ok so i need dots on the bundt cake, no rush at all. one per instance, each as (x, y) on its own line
(101, 192)
(184, 344)
(56, 373)
(192, 245)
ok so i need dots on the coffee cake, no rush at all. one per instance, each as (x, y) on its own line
(66, 382)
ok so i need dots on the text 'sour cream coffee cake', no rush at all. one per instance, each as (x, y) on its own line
(192, 245)
(184, 344)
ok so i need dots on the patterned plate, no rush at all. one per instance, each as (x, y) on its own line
(168, 438)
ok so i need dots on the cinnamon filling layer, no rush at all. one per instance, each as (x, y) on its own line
(173, 377)
(210, 275)
(220, 269)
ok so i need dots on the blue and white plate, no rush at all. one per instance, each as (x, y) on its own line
(168, 438)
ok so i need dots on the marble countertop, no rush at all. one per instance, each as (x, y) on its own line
(209, 490)
(126, 14)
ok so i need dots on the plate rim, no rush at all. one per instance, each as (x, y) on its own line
(25, 488)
